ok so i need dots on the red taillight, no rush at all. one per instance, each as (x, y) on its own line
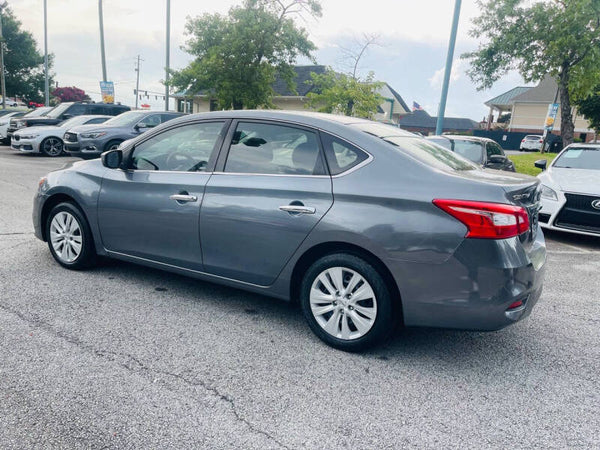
(541, 140)
(516, 304)
(522, 140)
(487, 220)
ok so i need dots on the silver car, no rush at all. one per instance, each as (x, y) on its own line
(364, 224)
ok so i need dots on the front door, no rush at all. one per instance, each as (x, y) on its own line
(152, 210)
(272, 192)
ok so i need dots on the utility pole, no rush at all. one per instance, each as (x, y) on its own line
(101, 19)
(46, 86)
(168, 55)
(137, 82)
(440, 119)
(2, 77)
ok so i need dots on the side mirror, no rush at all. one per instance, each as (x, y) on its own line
(541, 164)
(140, 126)
(112, 159)
(497, 159)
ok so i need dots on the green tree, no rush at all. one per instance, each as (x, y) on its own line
(24, 64)
(238, 56)
(556, 37)
(344, 94)
(589, 107)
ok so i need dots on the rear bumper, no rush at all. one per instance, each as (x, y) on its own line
(474, 289)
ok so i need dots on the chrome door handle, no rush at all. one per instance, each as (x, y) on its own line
(183, 198)
(297, 209)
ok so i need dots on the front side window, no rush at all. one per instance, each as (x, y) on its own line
(274, 149)
(493, 149)
(189, 148)
(151, 121)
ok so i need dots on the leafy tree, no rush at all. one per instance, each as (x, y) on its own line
(344, 94)
(70, 94)
(24, 64)
(347, 94)
(589, 107)
(556, 37)
(238, 56)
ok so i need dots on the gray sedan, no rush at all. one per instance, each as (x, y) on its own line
(364, 224)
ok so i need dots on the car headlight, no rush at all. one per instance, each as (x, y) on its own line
(93, 135)
(21, 124)
(28, 136)
(549, 193)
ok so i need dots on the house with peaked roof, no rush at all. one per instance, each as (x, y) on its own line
(530, 106)
(420, 121)
(503, 103)
(390, 111)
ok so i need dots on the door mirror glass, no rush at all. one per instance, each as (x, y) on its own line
(112, 159)
(141, 126)
(541, 164)
(497, 159)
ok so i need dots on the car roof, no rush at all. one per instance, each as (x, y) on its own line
(582, 145)
(456, 137)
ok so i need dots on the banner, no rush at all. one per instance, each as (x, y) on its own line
(107, 89)
(550, 117)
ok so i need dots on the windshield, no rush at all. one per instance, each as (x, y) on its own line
(56, 112)
(125, 119)
(579, 158)
(442, 141)
(74, 121)
(430, 154)
(39, 112)
(417, 147)
(469, 149)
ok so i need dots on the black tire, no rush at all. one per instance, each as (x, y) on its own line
(111, 144)
(384, 322)
(87, 257)
(52, 147)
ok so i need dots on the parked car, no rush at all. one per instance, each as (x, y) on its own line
(363, 223)
(531, 142)
(571, 190)
(67, 110)
(48, 139)
(485, 152)
(89, 141)
(19, 122)
(4, 122)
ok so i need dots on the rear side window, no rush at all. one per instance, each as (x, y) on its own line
(341, 155)
(264, 148)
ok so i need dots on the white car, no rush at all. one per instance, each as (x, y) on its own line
(571, 190)
(4, 123)
(532, 142)
(48, 139)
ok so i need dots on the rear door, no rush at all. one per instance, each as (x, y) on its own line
(269, 191)
(152, 209)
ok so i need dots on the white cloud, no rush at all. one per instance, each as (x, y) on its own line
(459, 67)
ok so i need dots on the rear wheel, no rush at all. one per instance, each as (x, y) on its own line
(346, 302)
(52, 146)
(69, 237)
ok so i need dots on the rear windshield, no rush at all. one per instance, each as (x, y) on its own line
(417, 147)
(533, 138)
(469, 149)
(579, 158)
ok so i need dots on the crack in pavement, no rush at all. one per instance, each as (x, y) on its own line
(16, 233)
(141, 367)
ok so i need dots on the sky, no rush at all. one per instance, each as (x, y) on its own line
(410, 55)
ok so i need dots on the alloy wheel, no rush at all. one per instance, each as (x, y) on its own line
(343, 303)
(53, 147)
(66, 237)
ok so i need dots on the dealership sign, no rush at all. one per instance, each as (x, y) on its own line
(551, 117)
(107, 89)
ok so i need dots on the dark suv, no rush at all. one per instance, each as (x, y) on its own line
(65, 111)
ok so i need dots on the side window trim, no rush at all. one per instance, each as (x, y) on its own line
(226, 146)
(210, 167)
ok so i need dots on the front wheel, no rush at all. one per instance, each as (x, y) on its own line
(112, 145)
(346, 302)
(52, 146)
(69, 237)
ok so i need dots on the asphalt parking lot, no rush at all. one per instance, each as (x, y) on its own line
(129, 357)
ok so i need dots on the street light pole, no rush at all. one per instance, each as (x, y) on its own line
(101, 19)
(137, 82)
(46, 85)
(2, 75)
(442, 110)
(168, 55)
